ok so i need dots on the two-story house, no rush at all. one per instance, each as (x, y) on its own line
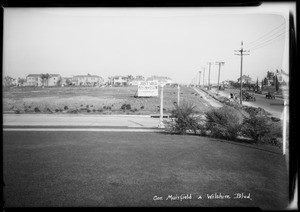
(34, 80)
(87, 80)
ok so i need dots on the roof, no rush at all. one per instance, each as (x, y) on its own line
(33, 75)
(86, 76)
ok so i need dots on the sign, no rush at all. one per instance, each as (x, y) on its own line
(147, 88)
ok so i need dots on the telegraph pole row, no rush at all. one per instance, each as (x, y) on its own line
(241, 53)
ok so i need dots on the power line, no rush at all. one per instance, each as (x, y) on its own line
(252, 42)
(269, 41)
(271, 37)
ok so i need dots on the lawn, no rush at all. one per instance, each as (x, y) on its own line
(106, 100)
(132, 169)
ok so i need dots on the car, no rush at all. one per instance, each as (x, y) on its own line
(248, 97)
(270, 95)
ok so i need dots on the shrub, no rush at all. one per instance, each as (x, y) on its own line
(256, 127)
(142, 107)
(262, 130)
(66, 108)
(184, 119)
(56, 110)
(126, 107)
(37, 110)
(223, 122)
(17, 111)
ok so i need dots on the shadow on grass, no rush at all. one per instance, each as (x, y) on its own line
(239, 142)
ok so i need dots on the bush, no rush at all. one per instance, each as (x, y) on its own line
(262, 130)
(126, 107)
(37, 110)
(184, 119)
(223, 122)
(66, 108)
(256, 127)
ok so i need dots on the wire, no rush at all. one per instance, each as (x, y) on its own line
(270, 41)
(253, 42)
(267, 39)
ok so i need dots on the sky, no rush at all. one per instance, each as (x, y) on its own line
(173, 42)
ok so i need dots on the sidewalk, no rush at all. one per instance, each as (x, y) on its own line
(79, 120)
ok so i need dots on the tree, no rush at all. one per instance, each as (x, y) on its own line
(257, 86)
(45, 78)
(270, 75)
(262, 85)
(8, 81)
(276, 83)
(265, 81)
(21, 81)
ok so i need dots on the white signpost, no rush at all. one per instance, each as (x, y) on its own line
(147, 88)
(161, 117)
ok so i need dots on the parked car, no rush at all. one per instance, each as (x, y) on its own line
(270, 95)
(259, 92)
(248, 97)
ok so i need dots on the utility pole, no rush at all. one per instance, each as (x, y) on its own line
(209, 74)
(241, 53)
(199, 77)
(220, 64)
(203, 75)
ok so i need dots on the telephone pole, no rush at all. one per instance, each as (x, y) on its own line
(209, 63)
(220, 64)
(199, 77)
(203, 75)
(241, 53)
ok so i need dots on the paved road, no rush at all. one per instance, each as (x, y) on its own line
(273, 106)
(92, 169)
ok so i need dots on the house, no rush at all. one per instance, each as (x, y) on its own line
(88, 79)
(136, 80)
(119, 80)
(34, 80)
(160, 79)
(54, 80)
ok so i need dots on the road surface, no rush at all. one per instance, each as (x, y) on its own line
(273, 106)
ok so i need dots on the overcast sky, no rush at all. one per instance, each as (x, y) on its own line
(174, 42)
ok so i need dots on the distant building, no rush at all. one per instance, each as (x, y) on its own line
(136, 80)
(119, 80)
(34, 80)
(88, 79)
(54, 80)
(160, 79)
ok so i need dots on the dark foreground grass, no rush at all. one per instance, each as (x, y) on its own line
(130, 169)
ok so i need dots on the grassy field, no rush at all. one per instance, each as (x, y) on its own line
(93, 169)
(107, 100)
